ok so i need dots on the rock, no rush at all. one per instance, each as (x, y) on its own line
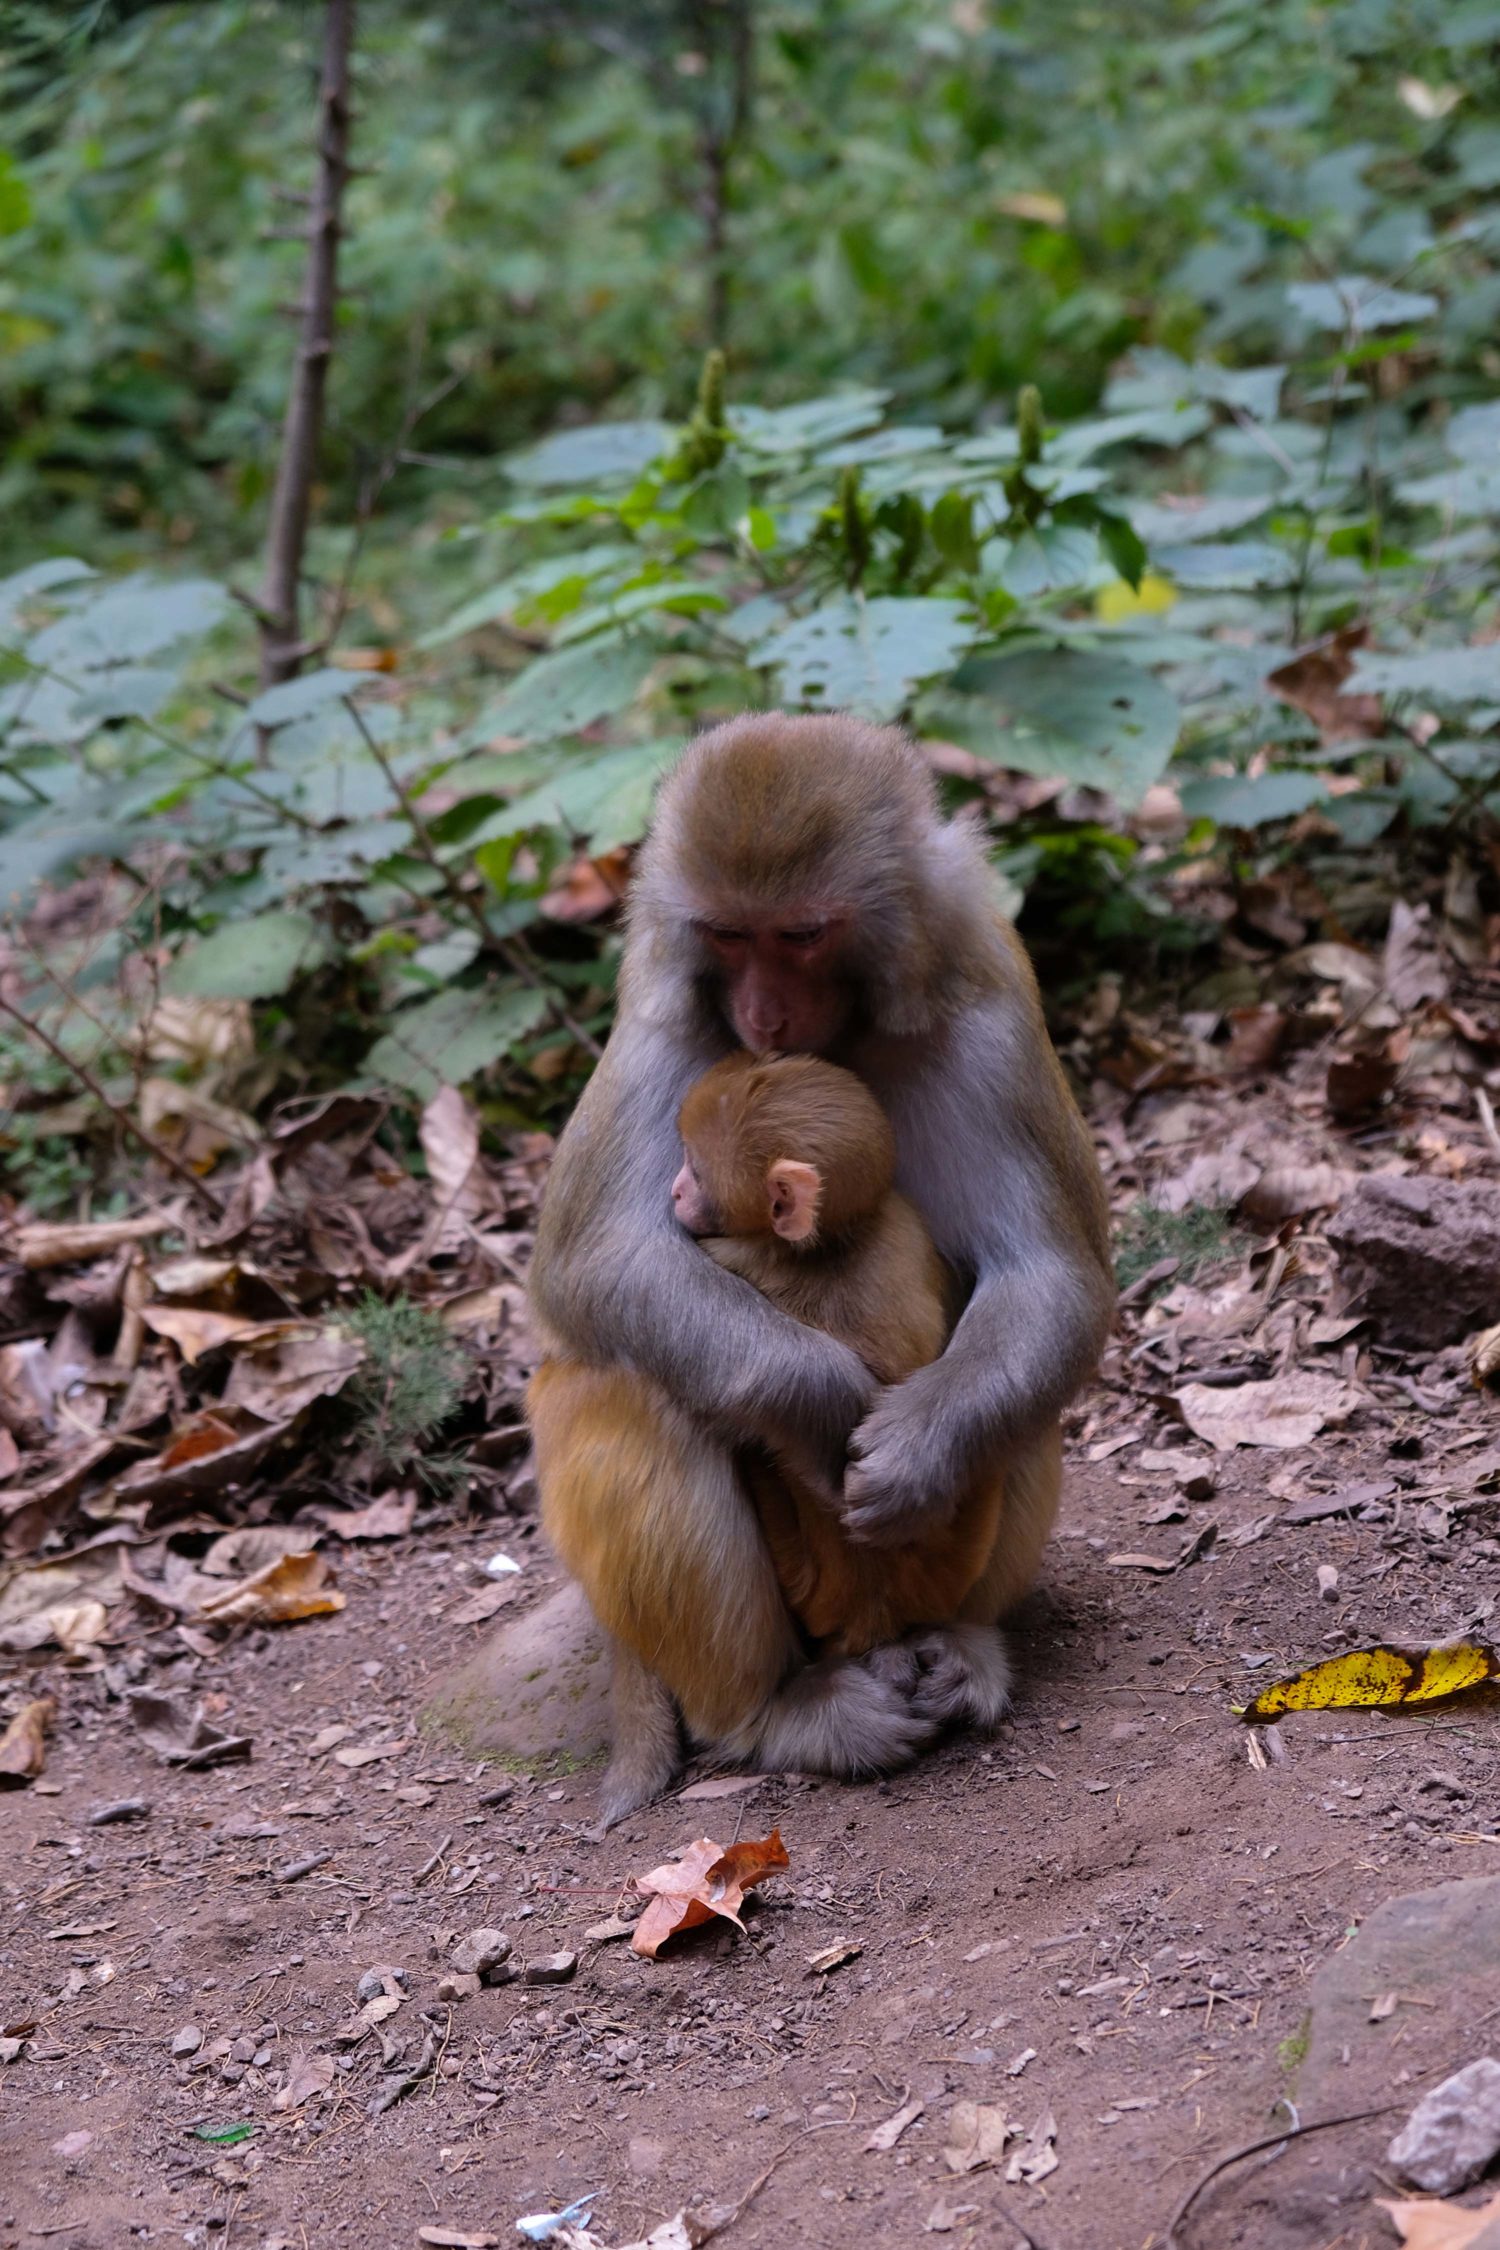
(458, 1987)
(552, 1968)
(188, 2040)
(123, 1808)
(479, 1952)
(1421, 1256)
(377, 1982)
(72, 2146)
(1453, 2132)
(1438, 1950)
(537, 1686)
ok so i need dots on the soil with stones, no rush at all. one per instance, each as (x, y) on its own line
(1103, 1921)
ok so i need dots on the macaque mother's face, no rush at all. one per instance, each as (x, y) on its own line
(783, 985)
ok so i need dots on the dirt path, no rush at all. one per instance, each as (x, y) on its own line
(1109, 1915)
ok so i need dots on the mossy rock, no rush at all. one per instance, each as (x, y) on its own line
(537, 1689)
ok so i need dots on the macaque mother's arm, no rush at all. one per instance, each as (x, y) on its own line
(616, 1281)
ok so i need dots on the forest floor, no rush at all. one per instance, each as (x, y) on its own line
(1108, 1929)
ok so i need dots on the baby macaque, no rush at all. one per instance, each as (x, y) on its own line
(788, 1181)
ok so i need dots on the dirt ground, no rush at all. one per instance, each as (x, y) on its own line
(1109, 1915)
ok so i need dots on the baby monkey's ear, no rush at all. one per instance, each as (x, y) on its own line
(795, 1191)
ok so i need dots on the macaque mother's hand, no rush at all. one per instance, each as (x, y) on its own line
(898, 1485)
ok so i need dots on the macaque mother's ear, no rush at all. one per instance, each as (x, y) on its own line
(795, 1190)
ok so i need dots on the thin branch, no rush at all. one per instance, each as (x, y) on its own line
(277, 607)
(1278, 2141)
(370, 489)
(513, 956)
(165, 1156)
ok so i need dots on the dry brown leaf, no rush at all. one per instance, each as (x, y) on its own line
(23, 1746)
(1361, 1081)
(1484, 1356)
(1285, 1191)
(1427, 2225)
(179, 1733)
(722, 1785)
(285, 1365)
(706, 1881)
(68, 1243)
(306, 2077)
(977, 2133)
(1038, 2156)
(293, 1587)
(449, 1133)
(254, 1547)
(195, 1332)
(203, 1457)
(1256, 1036)
(389, 1517)
(1313, 682)
(1285, 1411)
(1414, 969)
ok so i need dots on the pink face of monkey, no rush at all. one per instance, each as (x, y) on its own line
(784, 983)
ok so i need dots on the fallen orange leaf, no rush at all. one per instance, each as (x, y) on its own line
(1427, 2225)
(23, 1746)
(294, 1586)
(707, 1880)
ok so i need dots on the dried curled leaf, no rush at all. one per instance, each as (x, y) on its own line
(1378, 1676)
(23, 1746)
(295, 1586)
(706, 1881)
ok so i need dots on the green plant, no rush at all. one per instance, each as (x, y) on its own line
(409, 1384)
(1202, 1237)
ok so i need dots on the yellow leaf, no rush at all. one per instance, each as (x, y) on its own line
(1376, 1676)
(1117, 601)
(296, 1586)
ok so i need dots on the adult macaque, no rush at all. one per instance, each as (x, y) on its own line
(787, 1177)
(801, 892)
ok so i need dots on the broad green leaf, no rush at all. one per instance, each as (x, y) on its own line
(1044, 561)
(449, 1039)
(1097, 720)
(679, 597)
(815, 422)
(1213, 563)
(602, 453)
(1447, 675)
(1169, 426)
(1252, 800)
(137, 617)
(251, 960)
(299, 698)
(1358, 301)
(48, 842)
(602, 802)
(865, 655)
(1472, 435)
(348, 854)
(895, 443)
(1466, 493)
(566, 691)
(15, 197)
(1190, 521)
(24, 586)
(520, 587)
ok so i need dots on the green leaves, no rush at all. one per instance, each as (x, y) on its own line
(600, 802)
(252, 960)
(568, 691)
(864, 655)
(1098, 720)
(448, 1040)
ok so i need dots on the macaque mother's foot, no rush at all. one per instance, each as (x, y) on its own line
(948, 1675)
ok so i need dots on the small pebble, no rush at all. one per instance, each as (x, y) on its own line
(480, 1951)
(1328, 1582)
(188, 2040)
(552, 1968)
(457, 1987)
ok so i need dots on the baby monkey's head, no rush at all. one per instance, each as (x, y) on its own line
(781, 1144)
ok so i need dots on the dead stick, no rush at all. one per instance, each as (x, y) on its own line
(1254, 2148)
(127, 1124)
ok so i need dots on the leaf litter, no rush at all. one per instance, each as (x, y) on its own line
(709, 1880)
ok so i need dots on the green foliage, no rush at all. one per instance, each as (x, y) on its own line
(1079, 373)
(409, 1384)
(1202, 1238)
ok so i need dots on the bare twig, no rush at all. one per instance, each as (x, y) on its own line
(166, 1157)
(277, 609)
(510, 953)
(1278, 2141)
(370, 489)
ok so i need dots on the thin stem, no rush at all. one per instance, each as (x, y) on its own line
(166, 1157)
